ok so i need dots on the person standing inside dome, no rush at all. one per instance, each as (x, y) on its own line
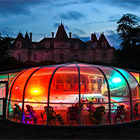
(91, 107)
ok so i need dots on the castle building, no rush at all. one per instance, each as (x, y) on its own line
(61, 48)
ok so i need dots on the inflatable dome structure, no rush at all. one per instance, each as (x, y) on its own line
(73, 94)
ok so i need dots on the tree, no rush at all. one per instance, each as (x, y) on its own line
(5, 43)
(129, 34)
(128, 30)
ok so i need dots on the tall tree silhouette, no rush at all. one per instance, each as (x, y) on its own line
(5, 43)
(129, 34)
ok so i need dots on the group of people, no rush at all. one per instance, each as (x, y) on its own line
(28, 115)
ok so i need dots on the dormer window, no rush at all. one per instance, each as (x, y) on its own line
(76, 45)
(88, 46)
(34, 46)
(18, 44)
(47, 45)
(104, 44)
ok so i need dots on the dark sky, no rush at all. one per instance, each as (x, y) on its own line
(81, 17)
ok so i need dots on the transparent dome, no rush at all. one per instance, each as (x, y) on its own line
(73, 94)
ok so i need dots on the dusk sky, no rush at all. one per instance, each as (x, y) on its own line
(81, 17)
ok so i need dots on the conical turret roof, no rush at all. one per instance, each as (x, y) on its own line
(20, 36)
(27, 36)
(61, 34)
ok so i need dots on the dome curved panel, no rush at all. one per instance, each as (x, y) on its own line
(18, 85)
(94, 87)
(50, 92)
(133, 84)
(118, 87)
(65, 85)
(37, 86)
(11, 83)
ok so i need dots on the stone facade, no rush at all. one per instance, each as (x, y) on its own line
(61, 48)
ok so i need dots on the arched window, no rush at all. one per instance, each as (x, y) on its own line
(18, 44)
(104, 44)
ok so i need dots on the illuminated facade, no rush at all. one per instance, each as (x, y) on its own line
(75, 85)
(61, 48)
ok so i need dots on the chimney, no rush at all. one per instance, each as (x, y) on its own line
(70, 35)
(31, 37)
(92, 40)
(52, 34)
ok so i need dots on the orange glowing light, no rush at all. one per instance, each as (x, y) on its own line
(35, 91)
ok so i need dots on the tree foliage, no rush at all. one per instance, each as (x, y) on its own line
(5, 43)
(128, 30)
(129, 35)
